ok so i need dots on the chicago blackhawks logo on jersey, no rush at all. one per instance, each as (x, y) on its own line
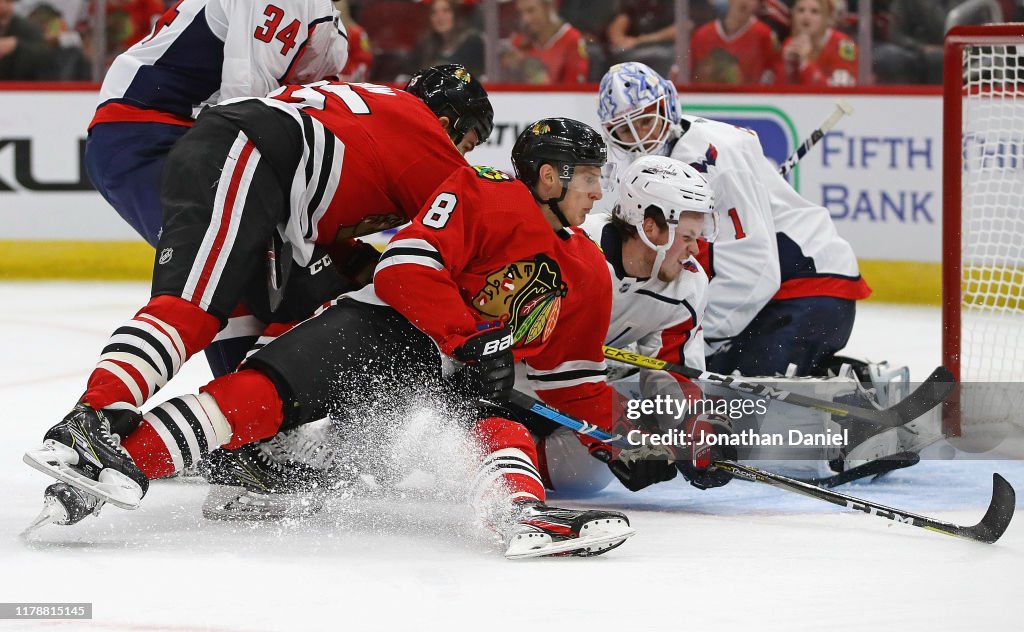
(490, 173)
(528, 294)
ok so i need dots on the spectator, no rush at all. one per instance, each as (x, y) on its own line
(24, 55)
(451, 39)
(644, 31)
(548, 50)
(913, 53)
(817, 54)
(360, 54)
(737, 49)
(69, 64)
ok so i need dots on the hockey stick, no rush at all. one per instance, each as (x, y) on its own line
(874, 468)
(992, 525)
(842, 109)
(928, 395)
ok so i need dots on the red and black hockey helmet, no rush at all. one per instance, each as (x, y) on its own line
(449, 90)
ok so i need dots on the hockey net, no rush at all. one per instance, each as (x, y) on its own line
(983, 232)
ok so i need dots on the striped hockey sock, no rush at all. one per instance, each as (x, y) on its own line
(176, 434)
(147, 351)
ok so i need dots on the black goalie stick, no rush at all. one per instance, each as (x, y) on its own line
(927, 396)
(992, 525)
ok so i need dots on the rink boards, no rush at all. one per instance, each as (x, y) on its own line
(879, 172)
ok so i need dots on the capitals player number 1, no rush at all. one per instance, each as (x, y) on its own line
(441, 210)
(737, 226)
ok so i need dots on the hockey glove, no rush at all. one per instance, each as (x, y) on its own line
(639, 467)
(355, 261)
(697, 468)
(490, 366)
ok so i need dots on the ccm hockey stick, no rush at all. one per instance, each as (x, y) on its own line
(992, 525)
(928, 395)
(842, 109)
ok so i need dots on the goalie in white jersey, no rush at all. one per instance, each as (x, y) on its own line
(784, 283)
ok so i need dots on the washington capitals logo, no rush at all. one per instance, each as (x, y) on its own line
(689, 265)
(710, 158)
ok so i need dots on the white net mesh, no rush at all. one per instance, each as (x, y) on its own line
(992, 211)
(992, 240)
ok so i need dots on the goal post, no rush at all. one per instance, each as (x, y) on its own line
(983, 220)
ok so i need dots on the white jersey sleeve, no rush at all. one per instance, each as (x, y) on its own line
(745, 257)
(270, 44)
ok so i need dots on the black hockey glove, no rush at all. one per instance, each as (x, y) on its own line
(355, 261)
(490, 371)
(697, 467)
(640, 467)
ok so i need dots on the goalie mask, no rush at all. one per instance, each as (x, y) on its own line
(449, 90)
(639, 110)
(671, 186)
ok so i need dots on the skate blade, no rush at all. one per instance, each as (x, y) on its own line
(116, 488)
(227, 502)
(611, 533)
(52, 513)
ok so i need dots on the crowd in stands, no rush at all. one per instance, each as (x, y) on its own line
(763, 42)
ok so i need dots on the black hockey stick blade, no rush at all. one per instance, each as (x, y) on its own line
(874, 468)
(932, 392)
(997, 518)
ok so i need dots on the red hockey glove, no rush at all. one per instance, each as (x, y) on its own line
(697, 468)
(490, 366)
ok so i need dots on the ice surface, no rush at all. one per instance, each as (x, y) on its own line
(745, 557)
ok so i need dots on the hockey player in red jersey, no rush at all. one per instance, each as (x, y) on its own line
(316, 165)
(491, 271)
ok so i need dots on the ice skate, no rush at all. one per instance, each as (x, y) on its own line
(82, 452)
(65, 504)
(538, 530)
(248, 484)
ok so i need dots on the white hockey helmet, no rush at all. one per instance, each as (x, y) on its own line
(670, 185)
(634, 98)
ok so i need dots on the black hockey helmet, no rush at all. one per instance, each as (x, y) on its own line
(562, 143)
(449, 90)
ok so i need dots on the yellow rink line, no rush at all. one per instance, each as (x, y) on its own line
(892, 281)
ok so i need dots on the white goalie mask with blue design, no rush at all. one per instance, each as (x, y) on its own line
(639, 110)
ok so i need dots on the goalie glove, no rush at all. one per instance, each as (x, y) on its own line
(490, 371)
(697, 467)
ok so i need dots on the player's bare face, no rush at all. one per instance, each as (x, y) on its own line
(809, 17)
(470, 140)
(684, 245)
(584, 189)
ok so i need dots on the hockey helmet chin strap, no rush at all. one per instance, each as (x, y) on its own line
(661, 250)
(565, 172)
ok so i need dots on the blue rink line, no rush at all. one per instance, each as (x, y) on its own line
(929, 486)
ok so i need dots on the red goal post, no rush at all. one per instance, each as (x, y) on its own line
(983, 211)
